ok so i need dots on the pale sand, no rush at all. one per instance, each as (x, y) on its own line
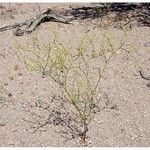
(128, 125)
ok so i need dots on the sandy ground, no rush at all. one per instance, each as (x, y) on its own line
(126, 125)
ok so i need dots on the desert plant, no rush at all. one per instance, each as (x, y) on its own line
(77, 71)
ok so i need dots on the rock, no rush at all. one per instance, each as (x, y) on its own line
(14, 130)
(148, 84)
(115, 107)
(6, 84)
(147, 44)
(2, 124)
(20, 74)
(11, 78)
(21, 83)
(9, 95)
(16, 67)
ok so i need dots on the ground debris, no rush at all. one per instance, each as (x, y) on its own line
(139, 11)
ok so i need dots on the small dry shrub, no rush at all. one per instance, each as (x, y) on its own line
(77, 71)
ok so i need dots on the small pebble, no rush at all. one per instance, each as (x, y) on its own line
(21, 83)
(6, 84)
(147, 44)
(122, 130)
(2, 124)
(89, 143)
(148, 84)
(14, 130)
(115, 107)
(16, 67)
(11, 78)
(20, 74)
(10, 95)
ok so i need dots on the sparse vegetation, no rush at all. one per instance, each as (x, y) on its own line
(83, 82)
(74, 71)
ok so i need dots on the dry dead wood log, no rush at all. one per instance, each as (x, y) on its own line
(31, 24)
(141, 13)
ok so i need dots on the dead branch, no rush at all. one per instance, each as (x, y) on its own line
(31, 24)
(141, 12)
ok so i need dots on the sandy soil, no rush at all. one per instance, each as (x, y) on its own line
(126, 124)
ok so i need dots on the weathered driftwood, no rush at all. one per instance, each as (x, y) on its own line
(141, 13)
(31, 24)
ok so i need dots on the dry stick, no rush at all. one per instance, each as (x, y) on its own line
(75, 131)
(26, 23)
(31, 24)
